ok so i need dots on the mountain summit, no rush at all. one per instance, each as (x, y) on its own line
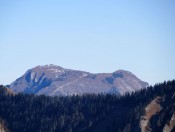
(55, 80)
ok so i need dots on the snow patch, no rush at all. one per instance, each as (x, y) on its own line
(56, 70)
(32, 75)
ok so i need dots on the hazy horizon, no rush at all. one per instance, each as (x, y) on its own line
(93, 36)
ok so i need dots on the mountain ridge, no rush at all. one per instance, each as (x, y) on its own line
(91, 113)
(55, 80)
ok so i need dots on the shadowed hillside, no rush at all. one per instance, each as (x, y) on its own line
(91, 113)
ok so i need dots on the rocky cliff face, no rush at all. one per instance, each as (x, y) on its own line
(169, 126)
(55, 80)
(3, 128)
(152, 109)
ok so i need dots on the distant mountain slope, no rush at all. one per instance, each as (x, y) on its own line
(55, 80)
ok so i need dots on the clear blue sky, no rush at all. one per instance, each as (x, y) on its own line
(92, 35)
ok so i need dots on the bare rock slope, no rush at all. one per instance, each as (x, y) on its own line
(169, 126)
(3, 127)
(152, 109)
(55, 80)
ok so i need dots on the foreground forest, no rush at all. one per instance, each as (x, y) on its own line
(87, 113)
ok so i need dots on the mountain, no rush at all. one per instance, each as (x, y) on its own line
(55, 80)
(147, 110)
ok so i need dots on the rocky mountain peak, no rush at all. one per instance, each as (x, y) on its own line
(55, 80)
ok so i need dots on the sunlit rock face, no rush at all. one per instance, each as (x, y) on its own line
(151, 109)
(55, 80)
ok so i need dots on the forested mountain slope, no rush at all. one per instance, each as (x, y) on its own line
(89, 113)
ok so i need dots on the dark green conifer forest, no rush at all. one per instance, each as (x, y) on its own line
(86, 113)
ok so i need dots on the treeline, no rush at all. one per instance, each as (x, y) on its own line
(86, 113)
